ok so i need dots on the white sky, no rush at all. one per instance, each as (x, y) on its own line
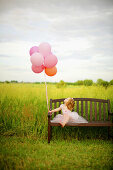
(79, 32)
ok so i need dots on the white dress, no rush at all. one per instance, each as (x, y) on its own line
(74, 117)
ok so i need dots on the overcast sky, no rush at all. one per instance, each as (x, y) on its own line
(79, 32)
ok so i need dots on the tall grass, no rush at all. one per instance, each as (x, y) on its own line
(23, 109)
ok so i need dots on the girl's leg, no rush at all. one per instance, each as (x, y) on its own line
(65, 120)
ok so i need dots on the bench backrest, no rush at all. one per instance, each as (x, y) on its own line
(89, 108)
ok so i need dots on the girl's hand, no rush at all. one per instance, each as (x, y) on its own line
(50, 111)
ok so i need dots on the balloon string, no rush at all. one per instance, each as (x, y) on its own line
(46, 92)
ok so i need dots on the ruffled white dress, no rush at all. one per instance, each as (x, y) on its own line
(74, 117)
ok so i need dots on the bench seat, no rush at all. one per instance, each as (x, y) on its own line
(92, 123)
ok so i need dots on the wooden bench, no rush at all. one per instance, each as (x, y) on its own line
(96, 111)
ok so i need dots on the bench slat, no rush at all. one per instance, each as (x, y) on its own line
(99, 110)
(59, 106)
(54, 108)
(95, 111)
(91, 99)
(50, 104)
(86, 109)
(82, 99)
(77, 106)
(104, 111)
(93, 123)
(90, 111)
(81, 108)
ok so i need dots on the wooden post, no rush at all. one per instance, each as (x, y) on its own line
(108, 118)
(49, 129)
(49, 126)
(108, 109)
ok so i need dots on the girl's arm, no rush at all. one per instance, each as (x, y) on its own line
(55, 110)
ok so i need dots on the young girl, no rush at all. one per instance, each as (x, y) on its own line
(68, 116)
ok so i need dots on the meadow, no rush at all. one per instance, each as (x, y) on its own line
(23, 124)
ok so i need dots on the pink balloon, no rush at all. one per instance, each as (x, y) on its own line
(37, 59)
(33, 50)
(50, 61)
(36, 69)
(44, 49)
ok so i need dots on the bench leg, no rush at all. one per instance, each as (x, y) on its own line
(49, 133)
(108, 132)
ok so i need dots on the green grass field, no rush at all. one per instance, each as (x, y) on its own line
(23, 130)
(30, 153)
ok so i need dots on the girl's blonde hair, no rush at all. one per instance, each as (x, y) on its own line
(70, 104)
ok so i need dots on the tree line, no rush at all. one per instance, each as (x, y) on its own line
(61, 83)
(86, 82)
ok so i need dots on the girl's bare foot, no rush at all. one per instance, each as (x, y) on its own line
(61, 125)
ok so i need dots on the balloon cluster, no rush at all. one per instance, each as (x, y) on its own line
(43, 59)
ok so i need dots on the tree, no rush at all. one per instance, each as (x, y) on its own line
(99, 82)
(111, 82)
(14, 81)
(88, 82)
(105, 84)
(102, 83)
(79, 82)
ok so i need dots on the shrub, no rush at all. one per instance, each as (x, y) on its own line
(61, 84)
